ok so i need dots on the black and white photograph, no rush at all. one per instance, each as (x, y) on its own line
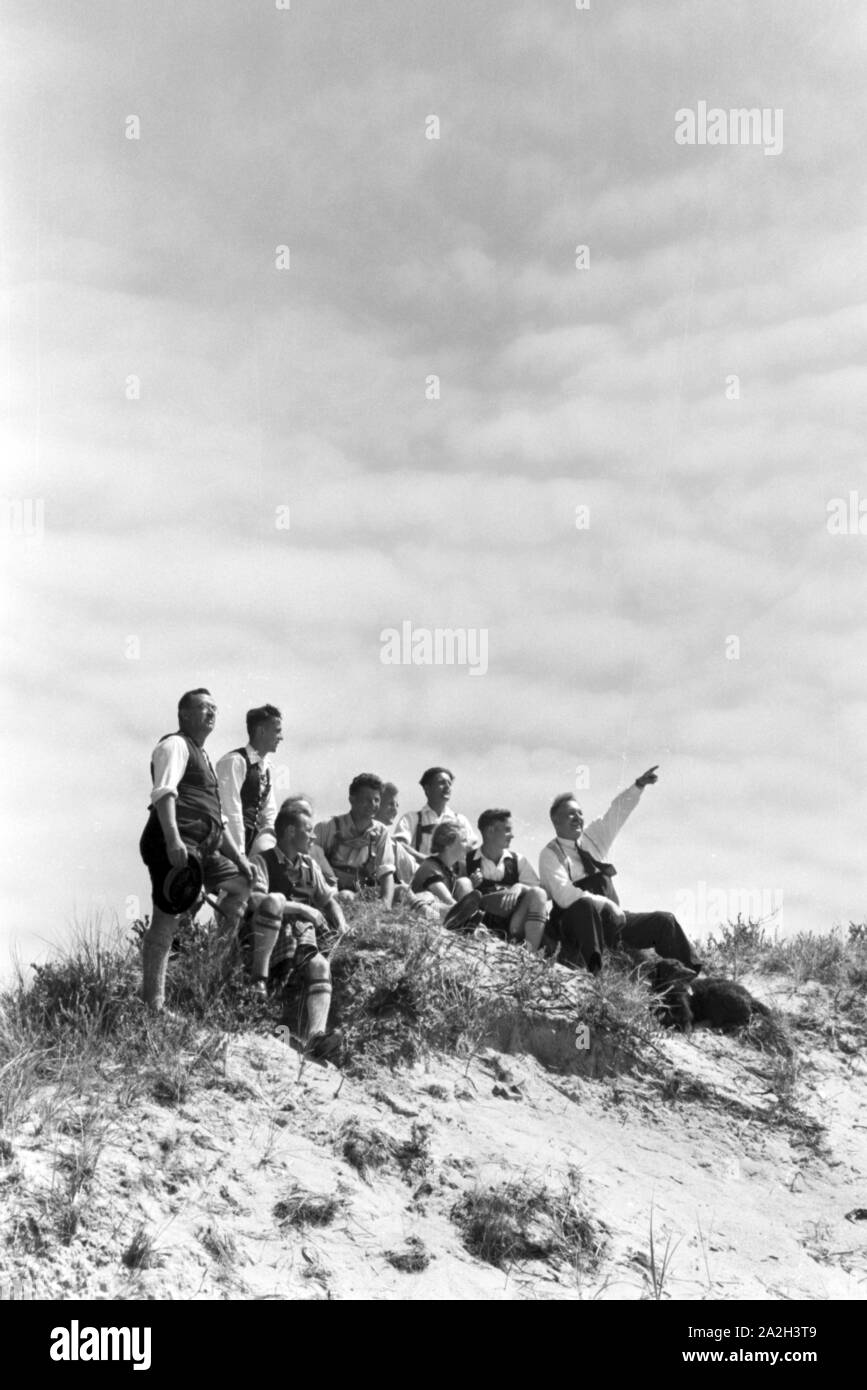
(433, 535)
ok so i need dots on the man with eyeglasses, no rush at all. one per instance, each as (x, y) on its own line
(587, 917)
(186, 819)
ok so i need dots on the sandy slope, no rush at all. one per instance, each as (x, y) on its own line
(749, 1195)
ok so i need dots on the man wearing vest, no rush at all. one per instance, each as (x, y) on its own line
(303, 803)
(587, 917)
(246, 784)
(295, 922)
(186, 818)
(415, 829)
(356, 845)
(512, 900)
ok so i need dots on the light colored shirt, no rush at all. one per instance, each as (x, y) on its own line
(347, 847)
(558, 870)
(231, 774)
(494, 870)
(302, 870)
(408, 824)
(169, 759)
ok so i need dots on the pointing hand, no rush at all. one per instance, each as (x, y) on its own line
(646, 777)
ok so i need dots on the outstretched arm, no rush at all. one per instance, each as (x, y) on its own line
(600, 834)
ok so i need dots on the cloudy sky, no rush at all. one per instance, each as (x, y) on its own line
(697, 384)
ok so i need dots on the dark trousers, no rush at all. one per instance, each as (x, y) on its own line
(584, 933)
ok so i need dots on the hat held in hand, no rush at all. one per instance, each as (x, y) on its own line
(183, 886)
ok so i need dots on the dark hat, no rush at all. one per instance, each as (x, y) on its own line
(183, 886)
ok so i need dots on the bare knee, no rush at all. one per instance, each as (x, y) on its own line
(537, 898)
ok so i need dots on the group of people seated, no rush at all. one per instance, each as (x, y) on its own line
(281, 876)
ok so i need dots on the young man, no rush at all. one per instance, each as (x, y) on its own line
(186, 818)
(415, 829)
(295, 922)
(246, 786)
(439, 877)
(587, 916)
(405, 864)
(303, 803)
(512, 900)
(388, 805)
(356, 845)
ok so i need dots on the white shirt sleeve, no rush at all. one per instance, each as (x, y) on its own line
(556, 879)
(526, 872)
(231, 771)
(557, 882)
(600, 834)
(170, 760)
(405, 828)
(318, 856)
(471, 839)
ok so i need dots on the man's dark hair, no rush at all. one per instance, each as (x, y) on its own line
(444, 835)
(186, 700)
(491, 817)
(560, 801)
(433, 772)
(260, 715)
(287, 815)
(365, 779)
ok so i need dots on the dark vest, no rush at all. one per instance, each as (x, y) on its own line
(254, 793)
(296, 884)
(447, 872)
(490, 885)
(197, 811)
(422, 832)
(597, 874)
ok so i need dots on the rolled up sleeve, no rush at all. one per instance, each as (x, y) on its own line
(556, 881)
(170, 760)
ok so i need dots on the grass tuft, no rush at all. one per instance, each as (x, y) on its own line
(522, 1220)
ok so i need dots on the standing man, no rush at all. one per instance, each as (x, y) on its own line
(587, 916)
(512, 900)
(186, 819)
(357, 846)
(246, 784)
(415, 829)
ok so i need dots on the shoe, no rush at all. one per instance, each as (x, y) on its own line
(324, 1047)
(460, 914)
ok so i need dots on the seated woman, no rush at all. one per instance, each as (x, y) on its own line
(438, 875)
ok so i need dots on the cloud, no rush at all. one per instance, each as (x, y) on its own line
(608, 388)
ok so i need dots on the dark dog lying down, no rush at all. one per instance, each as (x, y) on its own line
(686, 998)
